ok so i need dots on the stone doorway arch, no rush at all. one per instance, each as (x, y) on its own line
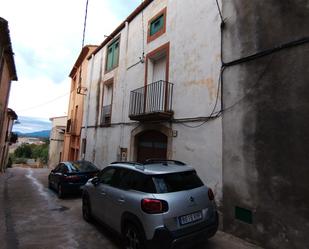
(151, 141)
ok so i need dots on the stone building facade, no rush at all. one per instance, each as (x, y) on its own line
(153, 89)
(7, 75)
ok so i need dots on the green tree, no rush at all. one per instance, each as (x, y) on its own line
(23, 151)
(32, 151)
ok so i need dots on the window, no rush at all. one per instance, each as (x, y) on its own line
(107, 103)
(177, 182)
(68, 129)
(82, 166)
(63, 169)
(132, 180)
(106, 176)
(156, 26)
(112, 55)
(84, 142)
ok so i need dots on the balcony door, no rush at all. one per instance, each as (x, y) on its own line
(156, 85)
(107, 102)
(159, 69)
(151, 144)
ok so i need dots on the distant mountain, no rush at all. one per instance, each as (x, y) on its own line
(40, 134)
(31, 124)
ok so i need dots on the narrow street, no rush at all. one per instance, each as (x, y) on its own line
(32, 217)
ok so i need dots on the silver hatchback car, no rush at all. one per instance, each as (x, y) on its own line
(159, 204)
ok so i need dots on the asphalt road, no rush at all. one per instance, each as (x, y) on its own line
(32, 217)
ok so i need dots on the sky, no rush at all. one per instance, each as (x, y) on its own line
(46, 36)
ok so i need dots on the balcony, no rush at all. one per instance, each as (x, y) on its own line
(152, 102)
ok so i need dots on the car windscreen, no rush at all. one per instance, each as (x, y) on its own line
(177, 181)
(82, 166)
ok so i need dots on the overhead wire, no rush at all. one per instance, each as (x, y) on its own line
(255, 56)
(85, 23)
(44, 103)
(211, 116)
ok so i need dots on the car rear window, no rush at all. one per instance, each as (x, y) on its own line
(177, 182)
(83, 166)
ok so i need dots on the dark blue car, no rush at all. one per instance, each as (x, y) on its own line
(70, 177)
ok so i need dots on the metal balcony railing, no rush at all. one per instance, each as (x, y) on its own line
(153, 101)
(106, 114)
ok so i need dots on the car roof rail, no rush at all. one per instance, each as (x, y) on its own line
(137, 165)
(124, 162)
(164, 161)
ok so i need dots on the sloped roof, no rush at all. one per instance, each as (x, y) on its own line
(81, 57)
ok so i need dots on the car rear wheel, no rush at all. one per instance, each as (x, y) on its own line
(60, 191)
(86, 208)
(133, 238)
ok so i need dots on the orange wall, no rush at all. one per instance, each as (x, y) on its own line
(74, 113)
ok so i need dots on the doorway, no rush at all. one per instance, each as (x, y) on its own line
(151, 144)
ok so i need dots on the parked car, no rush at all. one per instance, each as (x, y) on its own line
(159, 204)
(71, 176)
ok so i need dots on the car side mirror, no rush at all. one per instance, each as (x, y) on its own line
(95, 181)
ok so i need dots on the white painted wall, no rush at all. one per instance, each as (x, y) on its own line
(193, 31)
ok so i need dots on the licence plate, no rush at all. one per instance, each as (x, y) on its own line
(189, 218)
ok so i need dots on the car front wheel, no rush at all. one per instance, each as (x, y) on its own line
(133, 238)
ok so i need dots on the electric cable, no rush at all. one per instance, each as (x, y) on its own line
(245, 59)
(143, 33)
(210, 117)
(219, 10)
(44, 103)
(85, 23)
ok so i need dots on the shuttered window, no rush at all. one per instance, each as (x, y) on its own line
(156, 25)
(112, 55)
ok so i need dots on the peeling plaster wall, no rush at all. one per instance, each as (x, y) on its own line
(265, 126)
(194, 36)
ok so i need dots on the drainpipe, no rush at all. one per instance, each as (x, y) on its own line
(88, 106)
(124, 89)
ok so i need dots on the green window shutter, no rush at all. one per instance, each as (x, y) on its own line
(116, 54)
(156, 25)
(112, 55)
(109, 64)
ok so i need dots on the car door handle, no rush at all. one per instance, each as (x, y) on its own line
(103, 193)
(121, 200)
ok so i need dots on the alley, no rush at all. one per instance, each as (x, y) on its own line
(32, 217)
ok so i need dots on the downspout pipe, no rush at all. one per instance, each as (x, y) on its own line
(83, 152)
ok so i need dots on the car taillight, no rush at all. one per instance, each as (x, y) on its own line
(73, 178)
(154, 206)
(211, 195)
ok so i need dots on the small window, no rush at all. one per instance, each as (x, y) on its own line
(107, 104)
(69, 123)
(156, 25)
(112, 55)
